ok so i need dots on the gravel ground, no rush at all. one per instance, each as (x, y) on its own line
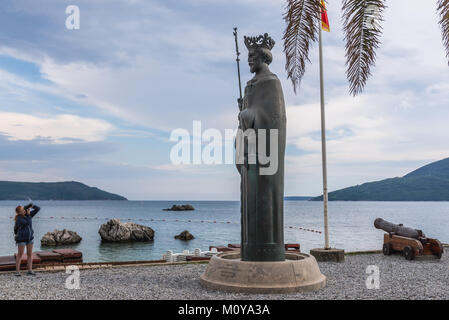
(399, 279)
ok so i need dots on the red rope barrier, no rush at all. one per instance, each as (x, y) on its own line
(165, 220)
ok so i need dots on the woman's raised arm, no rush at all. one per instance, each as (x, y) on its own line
(34, 211)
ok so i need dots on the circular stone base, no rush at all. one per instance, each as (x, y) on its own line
(328, 255)
(299, 272)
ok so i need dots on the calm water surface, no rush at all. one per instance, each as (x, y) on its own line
(351, 224)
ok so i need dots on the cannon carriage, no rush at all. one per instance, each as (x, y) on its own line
(411, 242)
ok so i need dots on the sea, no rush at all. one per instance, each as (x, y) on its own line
(218, 223)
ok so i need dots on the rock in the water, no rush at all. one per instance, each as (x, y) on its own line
(60, 237)
(185, 235)
(182, 207)
(116, 231)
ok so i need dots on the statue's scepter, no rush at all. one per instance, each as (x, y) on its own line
(238, 66)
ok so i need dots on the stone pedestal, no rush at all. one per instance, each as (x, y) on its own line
(328, 255)
(299, 272)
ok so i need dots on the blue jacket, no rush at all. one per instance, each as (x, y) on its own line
(23, 228)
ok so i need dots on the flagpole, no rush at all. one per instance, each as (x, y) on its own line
(323, 145)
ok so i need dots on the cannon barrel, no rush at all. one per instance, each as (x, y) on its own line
(398, 229)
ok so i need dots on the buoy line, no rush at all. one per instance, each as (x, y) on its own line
(162, 220)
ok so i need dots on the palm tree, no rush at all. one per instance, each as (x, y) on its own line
(362, 29)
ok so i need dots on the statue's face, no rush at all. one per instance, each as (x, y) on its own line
(255, 60)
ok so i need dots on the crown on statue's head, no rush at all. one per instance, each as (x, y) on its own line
(260, 42)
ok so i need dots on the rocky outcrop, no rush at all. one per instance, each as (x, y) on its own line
(182, 207)
(185, 236)
(116, 231)
(60, 237)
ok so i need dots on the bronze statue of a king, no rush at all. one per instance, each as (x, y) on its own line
(260, 151)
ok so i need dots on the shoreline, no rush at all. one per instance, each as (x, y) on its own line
(353, 223)
(152, 263)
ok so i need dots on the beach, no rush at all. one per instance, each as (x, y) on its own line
(398, 279)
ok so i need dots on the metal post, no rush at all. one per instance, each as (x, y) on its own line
(323, 146)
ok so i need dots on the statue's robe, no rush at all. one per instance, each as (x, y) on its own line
(262, 196)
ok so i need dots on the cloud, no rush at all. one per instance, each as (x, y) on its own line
(44, 150)
(162, 64)
(61, 129)
(370, 137)
(168, 58)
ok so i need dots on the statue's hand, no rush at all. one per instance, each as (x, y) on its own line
(240, 102)
(239, 167)
(246, 118)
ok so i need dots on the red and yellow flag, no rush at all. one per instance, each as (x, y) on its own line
(324, 18)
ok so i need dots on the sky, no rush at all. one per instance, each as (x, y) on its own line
(98, 104)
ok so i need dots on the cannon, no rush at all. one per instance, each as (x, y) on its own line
(398, 229)
(411, 242)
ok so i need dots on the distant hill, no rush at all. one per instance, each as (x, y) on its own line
(53, 191)
(294, 198)
(428, 183)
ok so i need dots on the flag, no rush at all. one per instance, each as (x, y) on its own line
(324, 18)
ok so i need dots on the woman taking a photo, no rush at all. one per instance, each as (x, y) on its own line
(24, 235)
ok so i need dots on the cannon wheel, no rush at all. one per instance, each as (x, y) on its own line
(386, 249)
(408, 253)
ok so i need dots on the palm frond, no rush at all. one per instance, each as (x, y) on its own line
(443, 10)
(302, 19)
(362, 29)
